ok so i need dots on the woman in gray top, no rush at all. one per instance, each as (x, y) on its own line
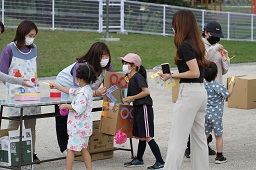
(10, 79)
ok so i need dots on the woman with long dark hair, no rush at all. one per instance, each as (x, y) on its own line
(190, 108)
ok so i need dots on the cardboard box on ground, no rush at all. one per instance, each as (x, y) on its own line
(99, 142)
(116, 115)
(244, 92)
(10, 145)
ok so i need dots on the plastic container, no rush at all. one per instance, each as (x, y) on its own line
(55, 94)
(160, 84)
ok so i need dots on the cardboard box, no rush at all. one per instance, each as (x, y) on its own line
(112, 79)
(175, 90)
(118, 117)
(99, 142)
(244, 92)
(9, 148)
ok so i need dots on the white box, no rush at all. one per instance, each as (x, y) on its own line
(9, 148)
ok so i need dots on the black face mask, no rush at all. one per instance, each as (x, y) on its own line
(213, 40)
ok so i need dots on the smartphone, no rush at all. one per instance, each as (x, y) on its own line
(166, 68)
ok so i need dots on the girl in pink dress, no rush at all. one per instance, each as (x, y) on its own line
(79, 123)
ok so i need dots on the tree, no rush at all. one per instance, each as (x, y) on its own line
(185, 3)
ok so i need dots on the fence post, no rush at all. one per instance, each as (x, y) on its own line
(100, 15)
(107, 19)
(53, 14)
(3, 11)
(251, 27)
(122, 16)
(228, 37)
(164, 19)
(203, 19)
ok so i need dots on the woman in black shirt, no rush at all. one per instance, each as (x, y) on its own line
(190, 108)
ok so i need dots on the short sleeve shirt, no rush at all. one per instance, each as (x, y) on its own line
(79, 122)
(187, 53)
(137, 82)
(217, 94)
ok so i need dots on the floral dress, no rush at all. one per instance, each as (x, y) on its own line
(79, 124)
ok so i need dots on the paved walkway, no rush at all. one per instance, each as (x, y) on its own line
(239, 132)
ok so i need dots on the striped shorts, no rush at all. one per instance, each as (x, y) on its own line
(143, 125)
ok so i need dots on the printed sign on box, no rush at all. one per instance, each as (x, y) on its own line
(10, 145)
(117, 117)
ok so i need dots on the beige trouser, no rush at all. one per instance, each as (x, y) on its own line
(188, 118)
(31, 123)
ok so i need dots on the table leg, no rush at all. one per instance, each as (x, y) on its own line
(1, 115)
(20, 149)
(132, 154)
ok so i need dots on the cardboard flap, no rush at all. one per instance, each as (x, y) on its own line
(249, 77)
(112, 79)
(4, 132)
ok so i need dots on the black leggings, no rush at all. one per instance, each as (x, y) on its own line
(61, 130)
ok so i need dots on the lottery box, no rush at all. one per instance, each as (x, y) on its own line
(10, 148)
(115, 117)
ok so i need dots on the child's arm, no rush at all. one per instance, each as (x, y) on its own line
(232, 84)
(143, 93)
(60, 88)
(66, 106)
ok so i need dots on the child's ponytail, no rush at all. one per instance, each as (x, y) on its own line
(142, 71)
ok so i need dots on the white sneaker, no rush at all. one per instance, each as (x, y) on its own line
(65, 152)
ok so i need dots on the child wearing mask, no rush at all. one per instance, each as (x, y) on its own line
(79, 123)
(143, 126)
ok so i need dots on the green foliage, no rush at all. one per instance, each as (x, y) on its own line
(183, 3)
(58, 49)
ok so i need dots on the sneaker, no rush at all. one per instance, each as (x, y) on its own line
(187, 153)
(211, 151)
(36, 159)
(220, 160)
(133, 163)
(157, 165)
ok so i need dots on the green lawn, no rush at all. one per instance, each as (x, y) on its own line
(58, 49)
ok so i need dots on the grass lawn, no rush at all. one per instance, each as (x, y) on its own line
(58, 49)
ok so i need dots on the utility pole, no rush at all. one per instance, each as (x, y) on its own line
(107, 19)
(107, 37)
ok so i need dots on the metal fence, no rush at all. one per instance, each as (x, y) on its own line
(124, 16)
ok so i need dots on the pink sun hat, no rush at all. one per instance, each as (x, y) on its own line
(132, 58)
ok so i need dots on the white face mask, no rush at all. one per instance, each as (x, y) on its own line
(104, 62)
(29, 41)
(126, 69)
